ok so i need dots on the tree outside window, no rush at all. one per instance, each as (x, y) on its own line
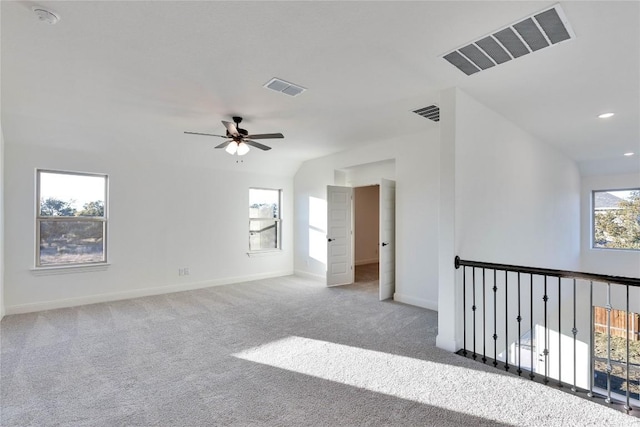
(616, 219)
(71, 219)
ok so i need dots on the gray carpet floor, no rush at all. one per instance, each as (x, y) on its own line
(277, 352)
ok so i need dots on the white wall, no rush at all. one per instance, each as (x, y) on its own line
(605, 261)
(366, 204)
(517, 200)
(164, 213)
(416, 175)
(2, 309)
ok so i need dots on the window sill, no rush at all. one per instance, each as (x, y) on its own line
(264, 253)
(614, 250)
(68, 269)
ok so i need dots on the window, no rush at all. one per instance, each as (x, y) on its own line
(264, 219)
(71, 220)
(616, 219)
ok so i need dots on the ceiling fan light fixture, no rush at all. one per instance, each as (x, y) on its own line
(242, 149)
(232, 148)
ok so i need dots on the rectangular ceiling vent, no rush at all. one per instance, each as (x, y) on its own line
(533, 33)
(280, 85)
(432, 112)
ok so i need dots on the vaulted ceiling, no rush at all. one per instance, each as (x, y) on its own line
(135, 75)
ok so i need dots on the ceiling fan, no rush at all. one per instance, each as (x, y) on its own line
(239, 140)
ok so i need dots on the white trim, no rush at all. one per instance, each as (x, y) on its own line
(136, 293)
(419, 302)
(446, 344)
(269, 252)
(69, 269)
(310, 275)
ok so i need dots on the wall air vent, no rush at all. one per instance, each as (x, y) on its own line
(432, 112)
(531, 34)
(285, 87)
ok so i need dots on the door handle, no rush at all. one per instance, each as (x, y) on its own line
(384, 244)
(330, 240)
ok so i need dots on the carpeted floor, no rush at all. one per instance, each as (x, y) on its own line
(277, 352)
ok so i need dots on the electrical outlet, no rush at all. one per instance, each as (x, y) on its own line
(185, 271)
(180, 272)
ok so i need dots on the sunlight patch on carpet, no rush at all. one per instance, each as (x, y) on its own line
(407, 378)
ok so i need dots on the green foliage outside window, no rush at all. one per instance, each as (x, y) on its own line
(618, 226)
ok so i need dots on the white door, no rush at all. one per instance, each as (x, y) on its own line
(387, 274)
(339, 236)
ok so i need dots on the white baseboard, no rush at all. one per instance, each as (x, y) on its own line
(311, 276)
(447, 344)
(367, 261)
(136, 293)
(419, 302)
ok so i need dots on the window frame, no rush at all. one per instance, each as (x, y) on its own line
(592, 215)
(90, 219)
(277, 219)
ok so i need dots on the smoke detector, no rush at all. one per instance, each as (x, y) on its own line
(45, 15)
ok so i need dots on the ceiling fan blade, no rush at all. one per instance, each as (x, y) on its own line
(205, 134)
(256, 144)
(231, 128)
(224, 144)
(266, 136)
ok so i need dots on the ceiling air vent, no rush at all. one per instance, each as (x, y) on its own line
(531, 34)
(432, 112)
(285, 87)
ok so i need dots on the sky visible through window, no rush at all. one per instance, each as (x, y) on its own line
(263, 197)
(81, 189)
(626, 194)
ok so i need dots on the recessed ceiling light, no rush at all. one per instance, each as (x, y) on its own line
(605, 115)
(629, 154)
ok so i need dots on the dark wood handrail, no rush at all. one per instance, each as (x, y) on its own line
(631, 281)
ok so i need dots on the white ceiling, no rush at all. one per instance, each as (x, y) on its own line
(135, 75)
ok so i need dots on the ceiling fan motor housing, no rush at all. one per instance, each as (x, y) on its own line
(242, 132)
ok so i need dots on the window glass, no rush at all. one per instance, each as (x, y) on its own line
(616, 219)
(264, 219)
(71, 218)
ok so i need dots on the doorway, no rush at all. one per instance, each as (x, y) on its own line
(366, 213)
(376, 236)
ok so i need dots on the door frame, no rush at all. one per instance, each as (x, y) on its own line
(378, 184)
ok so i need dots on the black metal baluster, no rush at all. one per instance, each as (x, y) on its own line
(545, 298)
(591, 340)
(484, 319)
(464, 310)
(473, 307)
(495, 314)
(559, 332)
(531, 374)
(519, 319)
(538, 341)
(609, 367)
(506, 320)
(574, 331)
(627, 407)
